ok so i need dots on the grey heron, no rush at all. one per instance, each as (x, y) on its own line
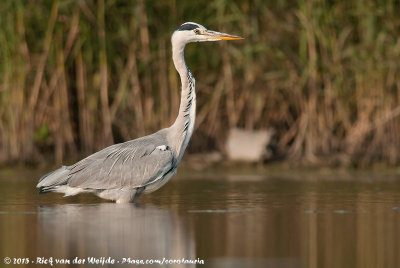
(121, 172)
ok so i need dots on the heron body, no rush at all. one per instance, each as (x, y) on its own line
(123, 171)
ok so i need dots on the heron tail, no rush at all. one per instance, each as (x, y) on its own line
(52, 180)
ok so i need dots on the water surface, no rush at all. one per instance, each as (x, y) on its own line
(225, 221)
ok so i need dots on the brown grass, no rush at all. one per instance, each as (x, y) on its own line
(80, 75)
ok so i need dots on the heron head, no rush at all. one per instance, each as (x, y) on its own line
(194, 32)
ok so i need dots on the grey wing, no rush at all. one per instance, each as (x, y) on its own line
(125, 165)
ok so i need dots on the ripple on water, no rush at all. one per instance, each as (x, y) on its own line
(219, 210)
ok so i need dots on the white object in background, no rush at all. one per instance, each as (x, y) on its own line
(248, 145)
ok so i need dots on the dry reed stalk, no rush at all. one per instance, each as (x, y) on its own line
(145, 58)
(228, 84)
(174, 88)
(43, 58)
(85, 125)
(66, 125)
(55, 124)
(107, 135)
(204, 112)
(73, 33)
(124, 77)
(249, 74)
(22, 69)
(163, 85)
(44, 109)
(136, 101)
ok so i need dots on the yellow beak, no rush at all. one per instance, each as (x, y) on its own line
(221, 36)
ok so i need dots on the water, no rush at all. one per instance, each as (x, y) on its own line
(225, 221)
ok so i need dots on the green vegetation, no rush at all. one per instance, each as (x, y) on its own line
(76, 76)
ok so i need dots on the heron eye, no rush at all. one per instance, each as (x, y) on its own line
(196, 31)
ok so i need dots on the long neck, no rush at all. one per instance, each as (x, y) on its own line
(182, 129)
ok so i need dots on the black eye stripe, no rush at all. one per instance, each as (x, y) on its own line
(187, 27)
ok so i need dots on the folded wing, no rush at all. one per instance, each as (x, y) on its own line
(131, 164)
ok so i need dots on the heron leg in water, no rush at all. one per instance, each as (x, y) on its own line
(139, 191)
(122, 196)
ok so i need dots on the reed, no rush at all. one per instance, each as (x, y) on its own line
(80, 75)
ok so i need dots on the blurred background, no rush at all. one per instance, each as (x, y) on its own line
(314, 83)
(77, 76)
